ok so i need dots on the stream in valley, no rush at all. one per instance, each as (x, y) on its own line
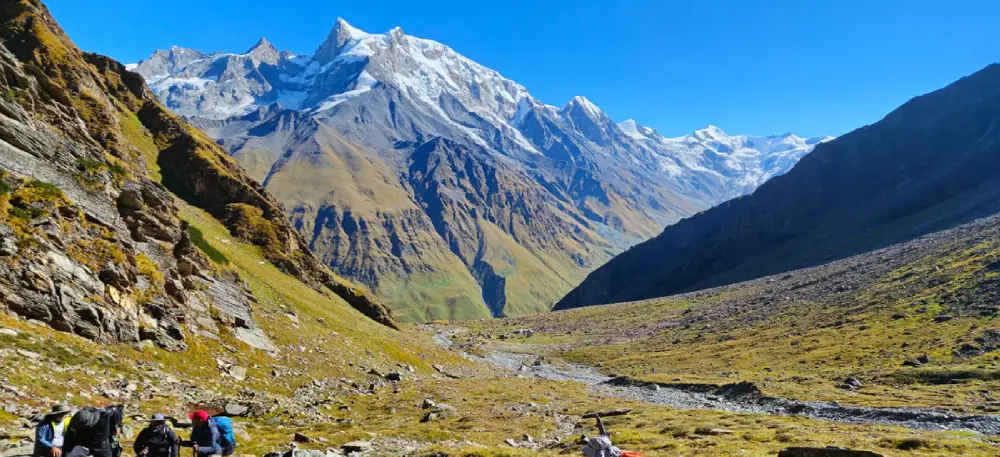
(738, 398)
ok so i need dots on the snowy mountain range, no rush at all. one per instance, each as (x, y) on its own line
(445, 187)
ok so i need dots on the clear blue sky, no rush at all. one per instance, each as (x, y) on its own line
(755, 67)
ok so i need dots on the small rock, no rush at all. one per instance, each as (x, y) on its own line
(940, 319)
(853, 383)
(431, 416)
(238, 373)
(29, 354)
(529, 438)
(8, 332)
(442, 407)
(356, 446)
(912, 363)
(234, 409)
(300, 438)
(394, 376)
(924, 359)
(899, 316)
(510, 442)
(428, 404)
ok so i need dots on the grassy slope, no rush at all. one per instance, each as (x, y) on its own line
(344, 176)
(489, 410)
(802, 347)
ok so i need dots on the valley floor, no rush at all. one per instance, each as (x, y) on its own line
(795, 336)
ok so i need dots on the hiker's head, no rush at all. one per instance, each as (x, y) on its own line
(157, 420)
(59, 412)
(199, 417)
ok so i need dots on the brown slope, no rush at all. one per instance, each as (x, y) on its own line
(524, 248)
(86, 95)
(359, 220)
(928, 165)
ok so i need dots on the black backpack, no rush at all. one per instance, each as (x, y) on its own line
(94, 428)
(85, 419)
(161, 440)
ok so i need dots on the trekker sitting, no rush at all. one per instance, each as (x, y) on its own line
(157, 439)
(204, 435)
(50, 432)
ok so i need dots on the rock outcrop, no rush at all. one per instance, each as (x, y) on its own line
(91, 166)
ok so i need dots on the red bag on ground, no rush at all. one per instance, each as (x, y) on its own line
(631, 454)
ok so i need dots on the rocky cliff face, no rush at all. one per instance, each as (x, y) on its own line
(91, 166)
(926, 166)
(342, 138)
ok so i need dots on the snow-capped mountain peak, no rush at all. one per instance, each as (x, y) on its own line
(710, 133)
(341, 35)
(264, 51)
(452, 141)
(465, 99)
(586, 105)
(631, 128)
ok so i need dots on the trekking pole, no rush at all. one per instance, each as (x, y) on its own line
(600, 426)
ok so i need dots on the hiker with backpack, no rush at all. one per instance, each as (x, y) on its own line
(212, 436)
(50, 433)
(157, 439)
(94, 432)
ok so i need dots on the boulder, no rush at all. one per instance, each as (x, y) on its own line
(235, 409)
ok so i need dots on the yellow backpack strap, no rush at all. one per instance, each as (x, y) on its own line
(65, 423)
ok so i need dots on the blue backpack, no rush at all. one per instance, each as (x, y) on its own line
(225, 427)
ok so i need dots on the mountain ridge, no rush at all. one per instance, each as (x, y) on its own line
(921, 168)
(387, 95)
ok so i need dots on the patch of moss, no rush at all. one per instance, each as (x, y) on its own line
(89, 172)
(25, 200)
(95, 253)
(148, 268)
(249, 224)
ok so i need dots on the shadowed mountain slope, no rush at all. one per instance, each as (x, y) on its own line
(928, 165)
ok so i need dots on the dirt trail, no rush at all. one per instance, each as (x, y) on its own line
(739, 398)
